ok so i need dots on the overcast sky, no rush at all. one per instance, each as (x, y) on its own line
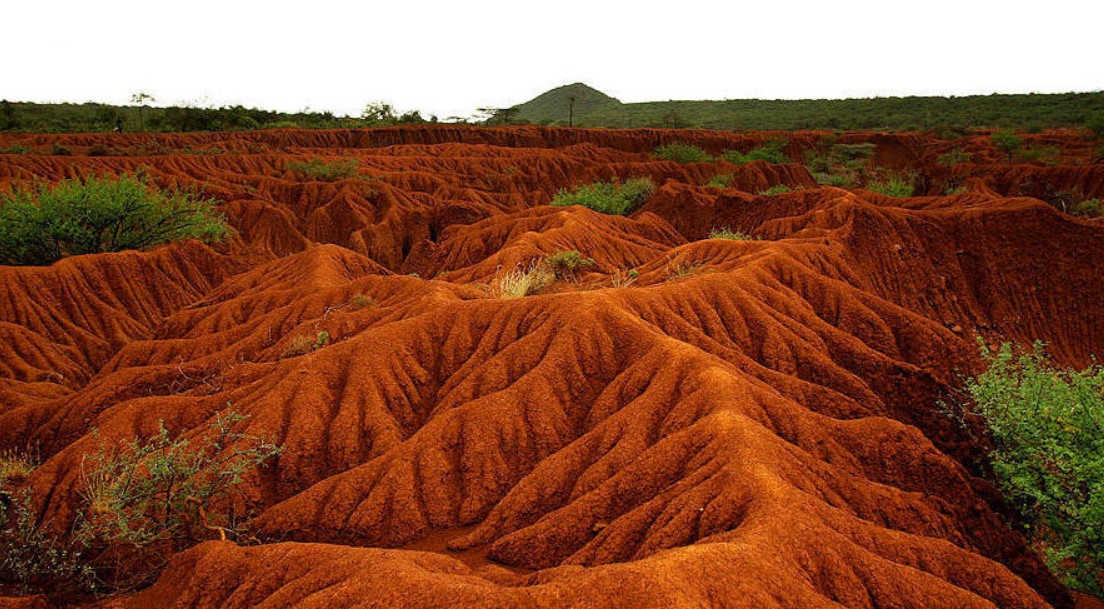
(449, 58)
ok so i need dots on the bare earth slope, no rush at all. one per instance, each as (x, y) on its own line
(747, 424)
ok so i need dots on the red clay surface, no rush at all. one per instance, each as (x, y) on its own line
(749, 424)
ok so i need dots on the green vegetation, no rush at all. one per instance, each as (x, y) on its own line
(608, 197)
(727, 233)
(954, 156)
(772, 152)
(681, 152)
(142, 492)
(839, 165)
(90, 117)
(304, 344)
(945, 114)
(892, 185)
(624, 278)
(566, 263)
(326, 171)
(1048, 429)
(360, 301)
(43, 224)
(1007, 142)
(33, 559)
(1091, 208)
(16, 149)
(1042, 154)
(776, 190)
(15, 467)
(721, 180)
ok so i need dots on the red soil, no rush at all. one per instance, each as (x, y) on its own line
(749, 424)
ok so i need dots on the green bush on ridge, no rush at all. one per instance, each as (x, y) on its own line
(608, 197)
(1048, 429)
(42, 224)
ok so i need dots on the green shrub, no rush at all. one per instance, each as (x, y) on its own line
(43, 224)
(681, 152)
(59, 150)
(892, 186)
(35, 560)
(16, 149)
(1048, 429)
(776, 190)
(1042, 154)
(954, 156)
(142, 492)
(566, 263)
(727, 233)
(608, 197)
(327, 171)
(721, 180)
(1092, 208)
(1007, 142)
(833, 179)
(772, 152)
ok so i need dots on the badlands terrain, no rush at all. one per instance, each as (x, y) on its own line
(687, 422)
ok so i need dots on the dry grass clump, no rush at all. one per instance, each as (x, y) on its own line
(728, 233)
(304, 343)
(15, 467)
(360, 301)
(519, 282)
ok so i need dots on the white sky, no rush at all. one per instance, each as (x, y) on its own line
(448, 58)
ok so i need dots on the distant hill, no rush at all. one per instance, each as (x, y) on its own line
(1021, 111)
(554, 106)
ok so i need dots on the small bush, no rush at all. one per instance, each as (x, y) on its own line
(327, 171)
(608, 197)
(142, 492)
(15, 467)
(59, 150)
(564, 264)
(961, 189)
(33, 559)
(727, 233)
(304, 344)
(892, 186)
(1092, 208)
(41, 225)
(954, 156)
(16, 149)
(1042, 154)
(681, 152)
(772, 152)
(681, 269)
(721, 180)
(360, 301)
(776, 190)
(624, 278)
(520, 282)
(1048, 429)
(832, 179)
(1007, 142)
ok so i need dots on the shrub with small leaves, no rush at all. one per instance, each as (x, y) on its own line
(727, 233)
(681, 152)
(566, 263)
(771, 152)
(144, 491)
(1092, 208)
(608, 197)
(360, 301)
(954, 156)
(892, 186)
(1007, 142)
(721, 180)
(43, 224)
(323, 170)
(35, 560)
(16, 466)
(776, 190)
(1048, 429)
